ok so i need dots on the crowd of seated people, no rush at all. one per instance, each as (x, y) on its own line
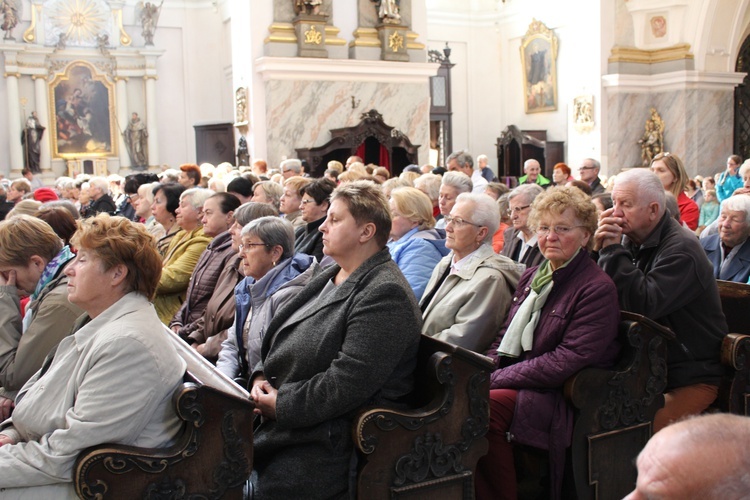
(315, 292)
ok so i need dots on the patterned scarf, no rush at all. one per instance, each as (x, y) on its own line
(50, 271)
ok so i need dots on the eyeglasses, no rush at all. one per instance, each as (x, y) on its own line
(558, 230)
(246, 246)
(305, 202)
(516, 210)
(586, 168)
(458, 221)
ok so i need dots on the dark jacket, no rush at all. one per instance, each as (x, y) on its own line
(214, 259)
(211, 328)
(596, 187)
(329, 356)
(738, 268)
(307, 239)
(577, 329)
(104, 204)
(512, 246)
(670, 280)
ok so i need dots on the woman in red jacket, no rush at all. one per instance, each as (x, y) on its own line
(671, 172)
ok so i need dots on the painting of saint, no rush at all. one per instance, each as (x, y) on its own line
(538, 55)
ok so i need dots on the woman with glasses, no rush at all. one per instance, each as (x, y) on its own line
(520, 242)
(563, 318)
(316, 198)
(469, 292)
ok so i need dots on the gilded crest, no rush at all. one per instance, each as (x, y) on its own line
(395, 42)
(313, 36)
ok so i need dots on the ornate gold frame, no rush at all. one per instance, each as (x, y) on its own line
(88, 150)
(539, 65)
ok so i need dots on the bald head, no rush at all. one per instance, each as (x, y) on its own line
(532, 169)
(702, 457)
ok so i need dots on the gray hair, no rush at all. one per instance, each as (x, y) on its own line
(744, 168)
(462, 157)
(273, 231)
(738, 203)
(458, 180)
(99, 182)
(291, 164)
(528, 191)
(196, 196)
(484, 213)
(482, 158)
(272, 190)
(429, 184)
(594, 163)
(650, 189)
(252, 210)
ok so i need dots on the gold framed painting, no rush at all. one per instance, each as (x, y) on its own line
(539, 64)
(82, 110)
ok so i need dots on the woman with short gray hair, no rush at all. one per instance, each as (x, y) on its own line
(520, 242)
(453, 184)
(273, 275)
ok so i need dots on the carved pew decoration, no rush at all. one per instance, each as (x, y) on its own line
(734, 392)
(434, 447)
(211, 459)
(615, 409)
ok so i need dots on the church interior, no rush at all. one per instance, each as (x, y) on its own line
(201, 78)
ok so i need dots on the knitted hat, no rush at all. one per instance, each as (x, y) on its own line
(43, 194)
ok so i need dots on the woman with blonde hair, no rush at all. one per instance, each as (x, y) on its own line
(268, 192)
(671, 172)
(415, 246)
(110, 381)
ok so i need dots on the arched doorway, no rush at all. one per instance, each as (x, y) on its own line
(742, 103)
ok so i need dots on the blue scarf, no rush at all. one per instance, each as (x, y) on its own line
(50, 271)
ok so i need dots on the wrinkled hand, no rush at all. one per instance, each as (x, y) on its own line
(609, 231)
(742, 190)
(5, 440)
(8, 278)
(6, 407)
(264, 396)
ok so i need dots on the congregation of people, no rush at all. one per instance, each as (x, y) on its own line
(314, 292)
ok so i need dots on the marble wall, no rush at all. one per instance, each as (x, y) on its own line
(698, 127)
(300, 114)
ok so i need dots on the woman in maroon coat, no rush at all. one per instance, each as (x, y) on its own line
(563, 318)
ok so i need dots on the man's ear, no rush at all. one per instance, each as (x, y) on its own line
(653, 210)
(367, 232)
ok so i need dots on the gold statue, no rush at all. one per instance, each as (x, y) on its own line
(652, 142)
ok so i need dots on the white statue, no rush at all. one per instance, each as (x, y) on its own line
(388, 11)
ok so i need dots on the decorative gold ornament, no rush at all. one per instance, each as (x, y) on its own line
(80, 20)
(313, 36)
(395, 42)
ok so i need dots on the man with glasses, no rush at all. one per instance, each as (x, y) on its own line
(589, 173)
(291, 168)
(520, 240)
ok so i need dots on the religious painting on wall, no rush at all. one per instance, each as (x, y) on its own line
(538, 61)
(82, 112)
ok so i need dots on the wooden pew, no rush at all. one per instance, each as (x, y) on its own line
(211, 459)
(734, 392)
(431, 449)
(615, 408)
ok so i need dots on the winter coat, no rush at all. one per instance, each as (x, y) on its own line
(532, 257)
(738, 268)
(308, 239)
(416, 255)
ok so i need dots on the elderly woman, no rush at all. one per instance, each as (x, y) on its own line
(563, 318)
(668, 167)
(274, 274)
(111, 381)
(268, 192)
(561, 174)
(453, 184)
(32, 262)
(414, 245)
(182, 255)
(143, 212)
(470, 289)
(520, 241)
(164, 209)
(316, 198)
(189, 321)
(348, 339)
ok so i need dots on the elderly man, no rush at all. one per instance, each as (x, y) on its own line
(533, 172)
(102, 201)
(661, 271)
(485, 170)
(291, 168)
(729, 251)
(701, 457)
(520, 240)
(461, 161)
(589, 173)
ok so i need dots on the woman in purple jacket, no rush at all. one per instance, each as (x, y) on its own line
(563, 318)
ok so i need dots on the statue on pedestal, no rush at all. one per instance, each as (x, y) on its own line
(10, 10)
(652, 142)
(243, 155)
(148, 13)
(31, 138)
(388, 11)
(136, 137)
(307, 7)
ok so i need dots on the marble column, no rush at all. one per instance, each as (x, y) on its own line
(42, 112)
(122, 118)
(151, 121)
(14, 123)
